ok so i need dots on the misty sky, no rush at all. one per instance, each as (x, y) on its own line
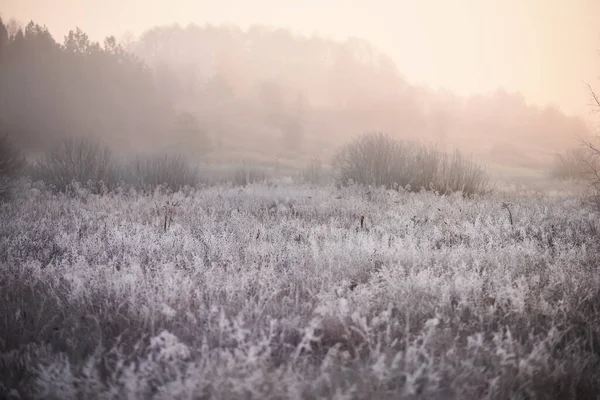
(546, 49)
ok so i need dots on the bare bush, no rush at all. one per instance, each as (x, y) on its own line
(237, 174)
(11, 163)
(369, 159)
(458, 172)
(379, 160)
(591, 163)
(591, 157)
(78, 160)
(171, 171)
(246, 173)
(313, 172)
(570, 164)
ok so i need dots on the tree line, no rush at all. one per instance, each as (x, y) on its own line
(204, 87)
(79, 87)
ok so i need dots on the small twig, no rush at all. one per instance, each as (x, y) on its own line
(507, 207)
(594, 95)
(169, 213)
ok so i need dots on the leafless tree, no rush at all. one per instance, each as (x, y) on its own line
(591, 156)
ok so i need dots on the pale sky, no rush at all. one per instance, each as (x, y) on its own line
(546, 49)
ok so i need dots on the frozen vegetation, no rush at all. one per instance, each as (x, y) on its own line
(284, 291)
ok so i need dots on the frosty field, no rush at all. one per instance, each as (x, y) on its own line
(277, 292)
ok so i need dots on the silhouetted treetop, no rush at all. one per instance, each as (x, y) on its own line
(77, 88)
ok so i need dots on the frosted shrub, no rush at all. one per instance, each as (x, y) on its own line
(571, 164)
(379, 160)
(170, 171)
(83, 161)
(314, 172)
(246, 173)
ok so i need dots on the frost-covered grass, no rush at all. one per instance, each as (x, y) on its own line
(277, 292)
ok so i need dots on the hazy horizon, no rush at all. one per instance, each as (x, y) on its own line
(545, 50)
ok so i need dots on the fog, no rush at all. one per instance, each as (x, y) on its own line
(285, 80)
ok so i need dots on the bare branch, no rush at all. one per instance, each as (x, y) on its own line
(593, 170)
(594, 95)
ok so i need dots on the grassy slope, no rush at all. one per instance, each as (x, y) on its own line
(276, 292)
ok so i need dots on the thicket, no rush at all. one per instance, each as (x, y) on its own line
(378, 159)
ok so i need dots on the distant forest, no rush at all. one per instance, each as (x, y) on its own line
(220, 91)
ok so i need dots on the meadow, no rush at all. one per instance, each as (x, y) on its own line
(294, 291)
